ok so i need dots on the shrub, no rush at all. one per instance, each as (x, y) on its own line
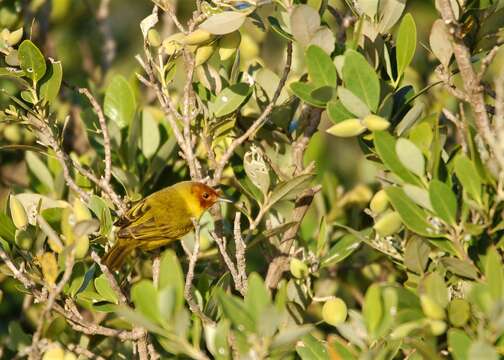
(402, 260)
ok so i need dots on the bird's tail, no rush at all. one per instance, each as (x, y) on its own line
(114, 259)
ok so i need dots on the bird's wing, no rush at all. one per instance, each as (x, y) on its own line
(155, 218)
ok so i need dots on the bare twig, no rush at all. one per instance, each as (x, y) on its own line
(104, 129)
(47, 137)
(281, 263)
(471, 80)
(18, 274)
(459, 128)
(487, 60)
(53, 294)
(241, 262)
(194, 167)
(156, 263)
(193, 258)
(258, 123)
(109, 44)
(111, 279)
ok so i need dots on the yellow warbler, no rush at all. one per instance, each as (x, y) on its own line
(160, 218)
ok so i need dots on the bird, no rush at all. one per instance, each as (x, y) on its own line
(160, 218)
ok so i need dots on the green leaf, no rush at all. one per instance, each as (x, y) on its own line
(275, 25)
(312, 349)
(481, 350)
(235, 310)
(223, 23)
(361, 79)
(51, 82)
(443, 201)
(369, 7)
(352, 102)
(411, 117)
(440, 42)
(468, 175)
(230, 99)
(435, 288)
(459, 343)
(119, 104)
(102, 212)
(7, 228)
(411, 214)
(258, 297)
(323, 94)
(170, 274)
(150, 134)
(343, 248)
(460, 267)
(103, 288)
(221, 345)
(305, 22)
(304, 91)
(406, 43)
(31, 60)
(144, 296)
(321, 70)
(419, 195)
(288, 187)
(494, 273)
(410, 156)
(337, 112)
(372, 310)
(385, 145)
(389, 12)
(459, 312)
(40, 170)
(416, 254)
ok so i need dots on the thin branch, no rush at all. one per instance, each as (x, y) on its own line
(18, 274)
(193, 258)
(111, 279)
(47, 137)
(487, 60)
(241, 262)
(53, 294)
(471, 80)
(104, 129)
(192, 161)
(459, 128)
(108, 44)
(258, 123)
(281, 263)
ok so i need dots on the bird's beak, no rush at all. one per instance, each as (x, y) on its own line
(222, 199)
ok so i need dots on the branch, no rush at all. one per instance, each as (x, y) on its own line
(104, 129)
(111, 279)
(241, 262)
(193, 258)
(18, 274)
(53, 294)
(471, 80)
(109, 44)
(280, 264)
(237, 271)
(258, 123)
(192, 161)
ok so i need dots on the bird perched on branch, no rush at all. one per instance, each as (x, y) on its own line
(160, 219)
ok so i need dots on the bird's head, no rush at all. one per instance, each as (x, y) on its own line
(199, 196)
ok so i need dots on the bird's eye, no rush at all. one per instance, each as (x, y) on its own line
(205, 195)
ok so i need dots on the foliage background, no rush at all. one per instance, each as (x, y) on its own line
(401, 269)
